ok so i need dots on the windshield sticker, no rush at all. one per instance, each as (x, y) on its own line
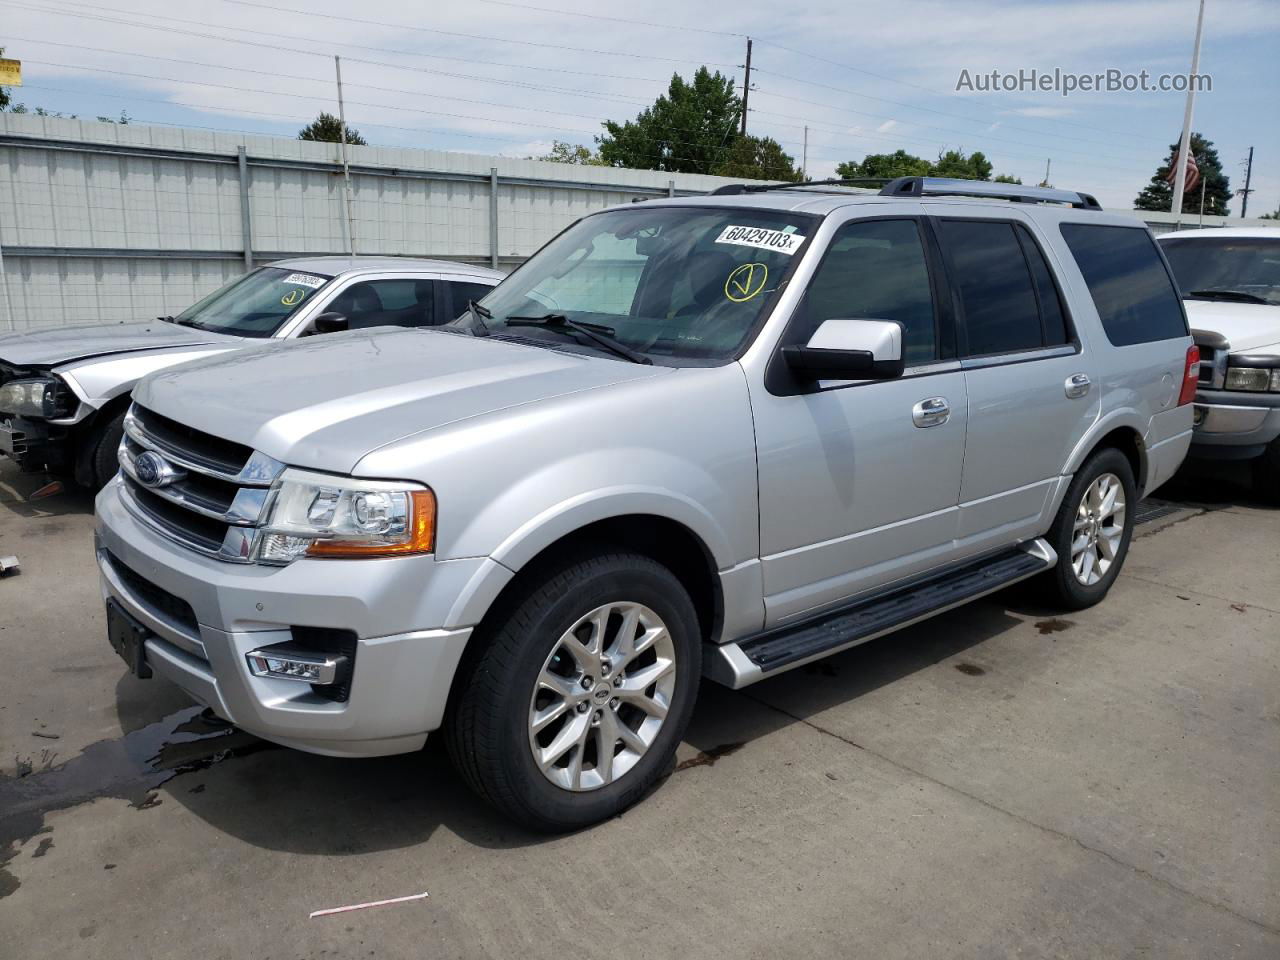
(745, 282)
(292, 298)
(778, 241)
(305, 280)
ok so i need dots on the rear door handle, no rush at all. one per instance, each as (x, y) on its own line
(1077, 385)
(931, 412)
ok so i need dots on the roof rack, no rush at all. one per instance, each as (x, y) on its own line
(944, 187)
(932, 187)
(733, 189)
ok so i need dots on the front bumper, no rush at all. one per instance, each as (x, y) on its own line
(33, 444)
(400, 610)
(1234, 426)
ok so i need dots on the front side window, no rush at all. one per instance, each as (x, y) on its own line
(462, 292)
(678, 283)
(874, 270)
(386, 303)
(1244, 269)
(1130, 286)
(255, 305)
(1001, 313)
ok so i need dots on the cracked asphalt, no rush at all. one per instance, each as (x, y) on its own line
(1001, 781)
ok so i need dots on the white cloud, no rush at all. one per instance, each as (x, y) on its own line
(886, 126)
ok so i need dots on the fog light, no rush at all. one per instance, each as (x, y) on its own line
(281, 664)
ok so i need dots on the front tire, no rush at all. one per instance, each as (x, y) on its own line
(1092, 531)
(576, 701)
(104, 451)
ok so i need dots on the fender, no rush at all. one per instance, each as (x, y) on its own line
(567, 517)
(1123, 418)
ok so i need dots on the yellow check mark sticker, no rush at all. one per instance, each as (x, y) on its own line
(745, 282)
(292, 297)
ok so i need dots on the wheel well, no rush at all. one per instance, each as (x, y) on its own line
(661, 539)
(104, 414)
(1128, 442)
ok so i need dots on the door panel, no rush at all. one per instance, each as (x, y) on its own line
(1022, 428)
(853, 494)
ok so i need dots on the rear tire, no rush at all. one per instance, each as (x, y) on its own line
(1092, 531)
(104, 451)
(555, 684)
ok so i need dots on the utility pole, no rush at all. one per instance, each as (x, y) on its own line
(1047, 164)
(1204, 182)
(746, 88)
(804, 157)
(1184, 146)
(346, 170)
(1244, 194)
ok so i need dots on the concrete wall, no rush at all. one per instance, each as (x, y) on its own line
(106, 222)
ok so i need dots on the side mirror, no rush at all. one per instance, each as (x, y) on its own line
(330, 323)
(849, 349)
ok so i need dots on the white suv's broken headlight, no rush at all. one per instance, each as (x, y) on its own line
(319, 515)
(42, 397)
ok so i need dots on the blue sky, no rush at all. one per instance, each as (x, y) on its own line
(499, 76)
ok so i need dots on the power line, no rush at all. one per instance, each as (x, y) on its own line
(683, 28)
(470, 36)
(277, 48)
(916, 86)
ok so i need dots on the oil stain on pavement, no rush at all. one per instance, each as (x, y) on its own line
(128, 768)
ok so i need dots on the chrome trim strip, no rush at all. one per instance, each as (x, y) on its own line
(245, 509)
(260, 470)
(1022, 356)
(232, 553)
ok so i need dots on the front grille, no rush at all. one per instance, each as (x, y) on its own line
(175, 608)
(202, 448)
(214, 496)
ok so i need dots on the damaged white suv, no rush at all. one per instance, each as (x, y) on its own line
(64, 390)
(720, 436)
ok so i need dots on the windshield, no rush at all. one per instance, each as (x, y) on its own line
(1243, 265)
(679, 283)
(256, 304)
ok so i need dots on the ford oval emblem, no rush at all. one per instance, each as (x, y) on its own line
(153, 470)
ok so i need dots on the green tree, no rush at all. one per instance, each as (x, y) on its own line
(962, 166)
(950, 163)
(688, 130)
(326, 127)
(1158, 193)
(758, 158)
(564, 152)
(1271, 216)
(4, 93)
(887, 165)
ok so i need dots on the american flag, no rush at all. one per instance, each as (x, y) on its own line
(1193, 172)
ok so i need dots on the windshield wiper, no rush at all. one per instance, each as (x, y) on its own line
(183, 322)
(1233, 295)
(168, 319)
(481, 313)
(592, 331)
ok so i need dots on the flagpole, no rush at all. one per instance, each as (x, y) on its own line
(1184, 146)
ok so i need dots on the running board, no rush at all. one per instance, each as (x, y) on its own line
(743, 662)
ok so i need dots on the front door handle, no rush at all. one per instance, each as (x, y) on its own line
(931, 412)
(1077, 385)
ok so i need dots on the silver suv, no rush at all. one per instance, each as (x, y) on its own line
(64, 391)
(720, 436)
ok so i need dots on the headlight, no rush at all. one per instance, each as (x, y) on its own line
(317, 515)
(1254, 379)
(34, 397)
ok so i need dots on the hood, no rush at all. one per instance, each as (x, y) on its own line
(58, 345)
(325, 402)
(1248, 327)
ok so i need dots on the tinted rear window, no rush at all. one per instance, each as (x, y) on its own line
(1001, 314)
(1127, 279)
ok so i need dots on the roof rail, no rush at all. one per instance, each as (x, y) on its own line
(734, 189)
(945, 187)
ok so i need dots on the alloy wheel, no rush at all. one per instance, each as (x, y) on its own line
(602, 696)
(1098, 531)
